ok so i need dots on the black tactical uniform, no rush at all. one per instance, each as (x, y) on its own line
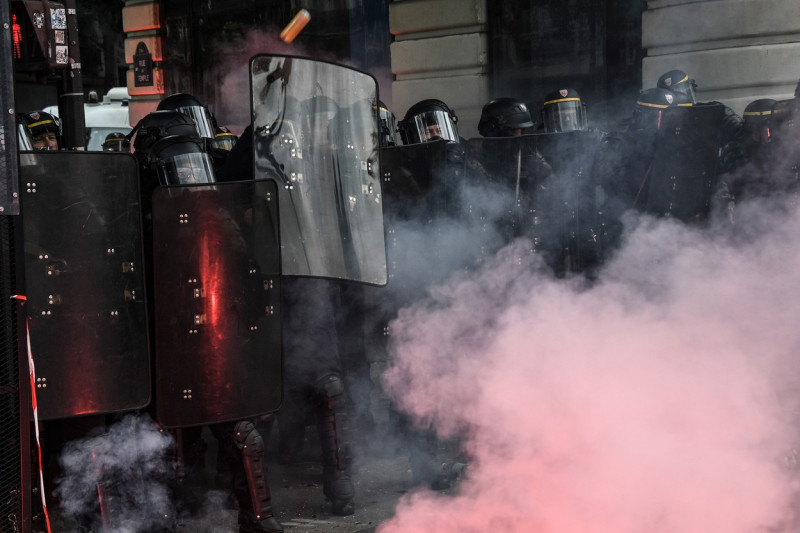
(169, 159)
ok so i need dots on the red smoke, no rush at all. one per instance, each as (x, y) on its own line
(660, 399)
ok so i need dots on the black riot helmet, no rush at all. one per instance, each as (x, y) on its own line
(37, 126)
(429, 120)
(757, 118)
(160, 124)
(115, 142)
(504, 117)
(678, 81)
(387, 126)
(650, 106)
(563, 110)
(179, 160)
(190, 106)
(224, 139)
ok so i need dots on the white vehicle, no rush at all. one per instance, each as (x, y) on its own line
(104, 117)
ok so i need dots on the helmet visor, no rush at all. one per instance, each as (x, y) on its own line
(116, 145)
(432, 126)
(687, 87)
(186, 169)
(568, 114)
(647, 118)
(202, 119)
(225, 141)
(387, 127)
(23, 137)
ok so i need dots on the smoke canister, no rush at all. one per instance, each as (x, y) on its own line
(295, 26)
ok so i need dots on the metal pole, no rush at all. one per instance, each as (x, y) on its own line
(70, 91)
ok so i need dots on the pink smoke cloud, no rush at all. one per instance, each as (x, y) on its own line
(660, 399)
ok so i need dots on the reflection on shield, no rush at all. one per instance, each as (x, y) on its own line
(315, 133)
(83, 270)
(217, 317)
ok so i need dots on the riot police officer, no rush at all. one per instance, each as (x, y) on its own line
(661, 176)
(429, 120)
(190, 106)
(757, 135)
(314, 384)
(504, 117)
(115, 142)
(169, 159)
(205, 123)
(563, 110)
(432, 120)
(679, 82)
(627, 156)
(43, 129)
(745, 162)
(224, 139)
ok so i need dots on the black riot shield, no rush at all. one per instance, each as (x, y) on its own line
(547, 186)
(782, 161)
(216, 266)
(568, 208)
(683, 172)
(411, 176)
(507, 172)
(315, 132)
(85, 284)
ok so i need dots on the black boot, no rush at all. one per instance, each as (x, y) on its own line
(255, 503)
(248, 524)
(338, 488)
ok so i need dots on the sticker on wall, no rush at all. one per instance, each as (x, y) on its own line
(58, 18)
(61, 55)
(60, 36)
(38, 19)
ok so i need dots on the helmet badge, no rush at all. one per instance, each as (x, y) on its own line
(668, 82)
(563, 93)
(669, 98)
(35, 116)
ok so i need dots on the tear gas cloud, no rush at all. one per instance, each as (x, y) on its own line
(126, 467)
(661, 397)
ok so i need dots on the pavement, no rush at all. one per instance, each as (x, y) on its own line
(381, 477)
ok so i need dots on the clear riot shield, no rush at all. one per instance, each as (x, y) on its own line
(684, 168)
(315, 132)
(85, 282)
(216, 266)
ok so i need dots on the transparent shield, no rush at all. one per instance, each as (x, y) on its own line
(315, 132)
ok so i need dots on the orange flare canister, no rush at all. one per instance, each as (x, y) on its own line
(295, 26)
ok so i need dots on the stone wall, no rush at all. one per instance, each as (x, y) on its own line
(737, 50)
(440, 51)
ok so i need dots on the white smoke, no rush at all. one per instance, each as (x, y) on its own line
(661, 398)
(117, 482)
